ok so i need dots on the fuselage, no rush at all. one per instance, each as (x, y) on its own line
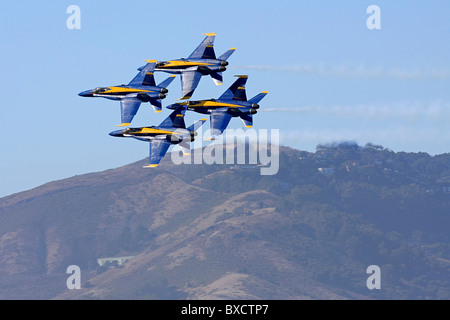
(149, 133)
(204, 66)
(235, 108)
(120, 92)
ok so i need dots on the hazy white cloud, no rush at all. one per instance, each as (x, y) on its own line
(357, 71)
(400, 137)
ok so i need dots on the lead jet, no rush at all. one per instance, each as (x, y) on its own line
(171, 131)
(202, 62)
(233, 103)
(141, 89)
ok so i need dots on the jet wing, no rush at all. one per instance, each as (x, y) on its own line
(189, 82)
(158, 149)
(220, 119)
(129, 107)
(206, 49)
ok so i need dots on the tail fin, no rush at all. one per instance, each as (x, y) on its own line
(259, 97)
(176, 119)
(206, 49)
(236, 91)
(145, 76)
(227, 54)
(149, 80)
(167, 82)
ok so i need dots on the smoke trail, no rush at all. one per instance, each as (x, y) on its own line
(406, 110)
(359, 71)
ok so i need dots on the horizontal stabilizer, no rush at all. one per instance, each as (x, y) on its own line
(227, 54)
(217, 78)
(167, 82)
(247, 119)
(259, 97)
(197, 125)
(185, 148)
(156, 104)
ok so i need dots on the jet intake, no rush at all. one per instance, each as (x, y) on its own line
(222, 68)
(224, 63)
(162, 96)
(255, 106)
(253, 111)
(164, 90)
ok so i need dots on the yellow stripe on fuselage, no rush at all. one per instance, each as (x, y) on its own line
(123, 90)
(156, 131)
(171, 64)
(213, 104)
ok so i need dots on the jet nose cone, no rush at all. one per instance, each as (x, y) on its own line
(85, 94)
(117, 133)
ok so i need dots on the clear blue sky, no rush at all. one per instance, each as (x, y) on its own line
(329, 77)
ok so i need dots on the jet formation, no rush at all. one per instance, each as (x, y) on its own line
(172, 131)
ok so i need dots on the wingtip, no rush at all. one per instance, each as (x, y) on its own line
(241, 76)
(212, 34)
(151, 166)
(123, 125)
(265, 92)
(151, 61)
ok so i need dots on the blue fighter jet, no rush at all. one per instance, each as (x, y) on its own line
(141, 89)
(233, 103)
(171, 131)
(202, 62)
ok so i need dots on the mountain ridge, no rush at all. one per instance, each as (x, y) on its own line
(226, 232)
